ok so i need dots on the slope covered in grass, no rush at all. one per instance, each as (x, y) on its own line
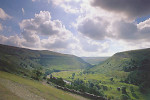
(108, 87)
(130, 69)
(20, 60)
(14, 86)
(135, 63)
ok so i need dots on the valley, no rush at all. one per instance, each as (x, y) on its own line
(124, 76)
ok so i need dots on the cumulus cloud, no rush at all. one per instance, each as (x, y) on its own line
(59, 44)
(100, 28)
(95, 28)
(4, 15)
(57, 36)
(130, 8)
(11, 40)
(144, 29)
(30, 37)
(42, 24)
(125, 30)
(88, 45)
(131, 31)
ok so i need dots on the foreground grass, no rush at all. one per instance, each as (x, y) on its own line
(105, 81)
(47, 92)
(5, 94)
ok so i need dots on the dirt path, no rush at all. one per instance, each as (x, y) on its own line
(20, 90)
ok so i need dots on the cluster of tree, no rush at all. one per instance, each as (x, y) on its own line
(37, 74)
(79, 85)
(58, 81)
(139, 78)
(88, 87)
(130, 65)
(129, 68)
(124, 95)
(139, 73)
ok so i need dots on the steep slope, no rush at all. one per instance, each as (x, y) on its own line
(20, 60)
(136, 63)
(14, 87)
(125, 61)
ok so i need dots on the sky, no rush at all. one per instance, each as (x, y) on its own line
(88, 28)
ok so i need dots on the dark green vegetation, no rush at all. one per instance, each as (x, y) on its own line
(94, 60)
(110, 87)
(78, 85)
(24, 61)
(136, 63)
(124, 76)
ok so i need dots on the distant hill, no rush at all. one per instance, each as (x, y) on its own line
(135, 62)
(94, 60)
(21, 60)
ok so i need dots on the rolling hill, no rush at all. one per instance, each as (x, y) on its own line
(21, 60)
(135, 63)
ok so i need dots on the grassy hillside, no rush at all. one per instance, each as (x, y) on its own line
(108, 87)
(20, 60)
(129, 69)
(135, 63)
(126, 61)
(94, 60)
(13, 87)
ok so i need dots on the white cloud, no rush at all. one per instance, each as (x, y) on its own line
(95, 28)
(4, 15)
(42, 25)
(23, 11)
(99, 30)
(11, 40)
(57, 36)
(1, 27)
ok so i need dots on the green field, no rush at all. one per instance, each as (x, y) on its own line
(112, 91)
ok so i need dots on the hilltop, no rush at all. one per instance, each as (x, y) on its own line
(135, 63)
(20, 60)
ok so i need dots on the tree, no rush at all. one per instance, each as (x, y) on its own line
(124, 97)
(111, 79)
(36, 74)
(73, 74)
(123, 88)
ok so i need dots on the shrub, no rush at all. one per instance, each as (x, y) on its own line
(131, 89)
(123, 88)
(124, 97)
